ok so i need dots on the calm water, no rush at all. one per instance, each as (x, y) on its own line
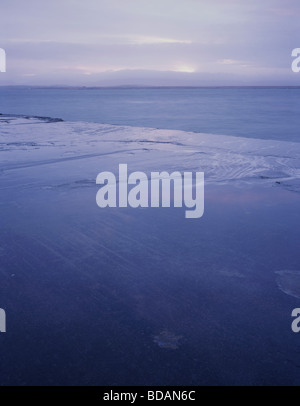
(88, 291)
(268, 113)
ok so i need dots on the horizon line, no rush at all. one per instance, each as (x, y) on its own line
(152, 86)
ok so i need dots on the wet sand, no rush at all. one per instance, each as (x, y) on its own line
(143, 296)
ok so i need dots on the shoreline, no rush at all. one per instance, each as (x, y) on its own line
(222, 158)
(145, 291)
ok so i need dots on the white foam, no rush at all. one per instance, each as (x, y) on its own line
(32, 142)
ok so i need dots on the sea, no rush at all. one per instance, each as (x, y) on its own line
(143, 296)
(265, 112)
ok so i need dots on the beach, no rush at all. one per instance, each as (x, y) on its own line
(123, 296)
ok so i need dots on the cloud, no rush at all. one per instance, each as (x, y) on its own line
(235, 37)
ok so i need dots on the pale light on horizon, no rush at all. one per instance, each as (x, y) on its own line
(196, 41)
(184, 69)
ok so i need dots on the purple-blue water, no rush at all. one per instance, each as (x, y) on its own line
(92, 296)
(267, 113)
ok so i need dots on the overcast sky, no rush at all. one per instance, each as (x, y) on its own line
(151, 42)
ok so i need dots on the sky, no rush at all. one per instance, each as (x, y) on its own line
(149, 42)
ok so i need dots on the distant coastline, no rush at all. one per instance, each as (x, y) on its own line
(149, 87)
